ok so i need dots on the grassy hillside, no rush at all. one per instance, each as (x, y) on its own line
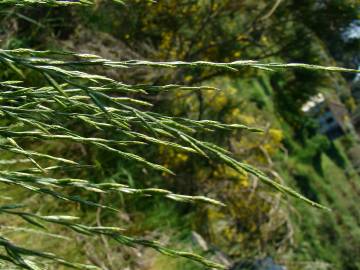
(319, 169)
(258, 221)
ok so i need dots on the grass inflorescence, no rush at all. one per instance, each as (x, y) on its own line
(70, 93)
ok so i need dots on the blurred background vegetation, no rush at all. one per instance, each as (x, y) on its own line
(257, 223)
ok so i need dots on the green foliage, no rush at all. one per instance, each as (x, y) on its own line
(63, 99)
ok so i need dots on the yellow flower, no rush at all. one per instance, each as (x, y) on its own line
(188, 78)
(237, 54)
(276, 135)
